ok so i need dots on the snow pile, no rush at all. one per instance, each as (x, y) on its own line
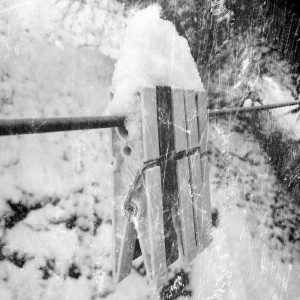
(152, 54)
(271, 92)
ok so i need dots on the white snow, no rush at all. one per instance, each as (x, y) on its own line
(247, 103)
(272, 92)
(152, 54)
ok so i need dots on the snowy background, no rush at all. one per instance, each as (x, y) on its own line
(57, 58)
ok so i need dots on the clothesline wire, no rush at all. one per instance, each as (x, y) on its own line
(44, 125)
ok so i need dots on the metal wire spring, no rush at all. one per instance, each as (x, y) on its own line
(130, 208)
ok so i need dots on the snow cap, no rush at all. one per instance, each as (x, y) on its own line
(152, 54)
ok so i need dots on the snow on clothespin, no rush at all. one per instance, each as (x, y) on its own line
(162, 209)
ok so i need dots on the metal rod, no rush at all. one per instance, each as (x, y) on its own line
(42, 125)
(227, 111)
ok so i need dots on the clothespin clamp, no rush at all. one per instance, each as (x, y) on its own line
(163, 212)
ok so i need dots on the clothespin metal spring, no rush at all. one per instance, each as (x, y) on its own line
(130, 208)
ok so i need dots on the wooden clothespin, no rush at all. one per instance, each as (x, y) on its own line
(163, 211)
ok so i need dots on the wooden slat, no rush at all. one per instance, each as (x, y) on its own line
(168, 172)
(156, 226)
(187, 232)
(205, 207)
(118, 220)
(124, 234)
(186, 212)
(179, 121)
(201, 101)
(151, 234)
(149, 123)
(191, 118)
(206, 215)
(194, 161)
(120, 231)
(198, 199)
(197, 129)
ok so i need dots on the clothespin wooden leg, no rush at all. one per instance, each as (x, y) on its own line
(150, 228)
(196, 117)
(156, 228)
(168, 172)
(204, 199)
(126, 252)
(186, 209)
(124, 232)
